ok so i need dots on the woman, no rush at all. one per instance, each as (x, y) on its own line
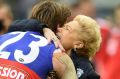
(83, 35)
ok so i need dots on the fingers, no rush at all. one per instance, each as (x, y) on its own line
(55, 40)
(56, 44)
(49, 34)
(49, 40)
(61, 47)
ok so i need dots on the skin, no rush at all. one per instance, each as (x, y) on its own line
(69, 39)
(59, 62)
(62, 63)
(4, 15)
(69, 36)
(59, 57)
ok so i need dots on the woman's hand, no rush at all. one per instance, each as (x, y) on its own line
(49, 34)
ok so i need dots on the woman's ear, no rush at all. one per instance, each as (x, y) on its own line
(78, 44)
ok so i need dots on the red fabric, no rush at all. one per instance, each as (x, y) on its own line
(113, 50)
(101, 58)
(15, 70)
(107, 59)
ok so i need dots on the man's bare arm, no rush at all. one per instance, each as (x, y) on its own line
(63, 65)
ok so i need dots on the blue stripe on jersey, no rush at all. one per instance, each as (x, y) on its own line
(23, 47)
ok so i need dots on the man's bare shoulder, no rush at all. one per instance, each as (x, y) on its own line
(63, 64)
(58, 53)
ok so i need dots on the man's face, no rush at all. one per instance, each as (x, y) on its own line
(68, 34)
(4, 16)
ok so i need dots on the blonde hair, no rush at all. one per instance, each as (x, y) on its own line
(90, 35)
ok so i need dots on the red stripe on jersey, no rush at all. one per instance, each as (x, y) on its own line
(14, 70)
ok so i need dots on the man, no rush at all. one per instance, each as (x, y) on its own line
(27, 55)
(6, 17)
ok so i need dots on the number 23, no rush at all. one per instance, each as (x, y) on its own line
(34, 46)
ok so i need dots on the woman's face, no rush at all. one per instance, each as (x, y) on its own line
(68, 34)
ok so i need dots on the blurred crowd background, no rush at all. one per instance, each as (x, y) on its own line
(105, 12)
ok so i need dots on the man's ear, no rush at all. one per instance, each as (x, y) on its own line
(58, 26)
(59, 29)
(78, 44)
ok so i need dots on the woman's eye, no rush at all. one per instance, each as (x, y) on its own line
(67, 27)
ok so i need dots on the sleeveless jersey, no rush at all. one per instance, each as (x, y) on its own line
(25, 55)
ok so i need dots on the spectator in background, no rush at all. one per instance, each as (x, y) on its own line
(117, 16)
(85, 7)
(112, 66)
(6, 17)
